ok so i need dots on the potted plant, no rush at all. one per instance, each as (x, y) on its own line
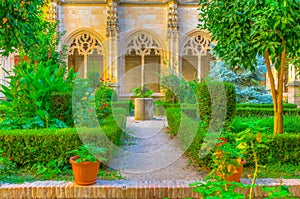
(229, 161)
(143, 103)
(85, 166)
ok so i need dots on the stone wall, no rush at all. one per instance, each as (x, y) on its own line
(76, 16)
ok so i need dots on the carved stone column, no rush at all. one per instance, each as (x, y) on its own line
(112, 38)
(173, 35)
(293, 86)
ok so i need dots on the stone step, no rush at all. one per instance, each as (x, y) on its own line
(125, 189)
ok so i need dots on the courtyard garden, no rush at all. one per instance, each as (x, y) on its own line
(229, 128)
(38, 147)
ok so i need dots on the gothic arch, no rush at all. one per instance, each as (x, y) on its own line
(142, 57)
(195, 43)
(85, 41)
(194, 55)
(141, 41)
(86, 52)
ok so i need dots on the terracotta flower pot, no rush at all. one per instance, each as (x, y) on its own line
(85, 173)
(235, 176)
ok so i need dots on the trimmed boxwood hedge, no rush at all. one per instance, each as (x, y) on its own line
(174, 118)
(283, 148)
(290, 106)
(245, 112)
(125, 104)
(28, 147)
(205, 100)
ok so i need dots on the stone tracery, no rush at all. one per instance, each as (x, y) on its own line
(85, 44)
(142, 45)
(196, 46)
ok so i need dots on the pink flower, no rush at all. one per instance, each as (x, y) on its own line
(101, 79)
(104, 104)
(11, 159)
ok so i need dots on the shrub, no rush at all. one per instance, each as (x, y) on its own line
(125, 104)
(170, 96)
(191, 112)
(283, 149)
(61, 107)
(103, 98)
(30, 123)
(291, 124)
(290, 106)
(178, 89)
(205, 100)
(263, 112)
(28, 147)
(246, 82)
(174, 119)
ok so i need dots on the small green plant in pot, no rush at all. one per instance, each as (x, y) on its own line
(142, 92)
(143, 103)
(85, 166)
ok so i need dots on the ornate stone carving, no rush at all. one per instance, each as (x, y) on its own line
(196, 46)
(142, 45)
(173, 25)
(85, 44)
(112, 20)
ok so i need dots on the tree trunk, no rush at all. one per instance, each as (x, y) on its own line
(277, 93)
(278, 119)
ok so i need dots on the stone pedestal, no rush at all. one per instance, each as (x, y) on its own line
(143, 108)
(294, 92)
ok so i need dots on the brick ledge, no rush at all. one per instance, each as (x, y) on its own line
(124, 189)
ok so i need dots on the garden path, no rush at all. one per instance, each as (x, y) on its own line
(148, 153)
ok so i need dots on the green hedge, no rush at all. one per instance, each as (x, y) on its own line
(61, 107)
(245, 112)
(174, 118)
(205, 99)
(28, 147)
(191, 112)
(161, 106)
(283, 148)
(266, 124)
(125, 104)
(290, 106)
(170, 96)
(2, 110)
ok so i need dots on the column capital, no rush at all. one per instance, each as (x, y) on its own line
(112, 25)
(173, 24)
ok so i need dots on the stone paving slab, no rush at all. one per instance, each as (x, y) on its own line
(152, 154)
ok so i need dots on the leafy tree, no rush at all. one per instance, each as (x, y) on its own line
(247, 86)
(247, 28)
(36, 78)
(20, 24)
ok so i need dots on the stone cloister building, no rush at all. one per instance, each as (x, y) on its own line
(134, 42)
